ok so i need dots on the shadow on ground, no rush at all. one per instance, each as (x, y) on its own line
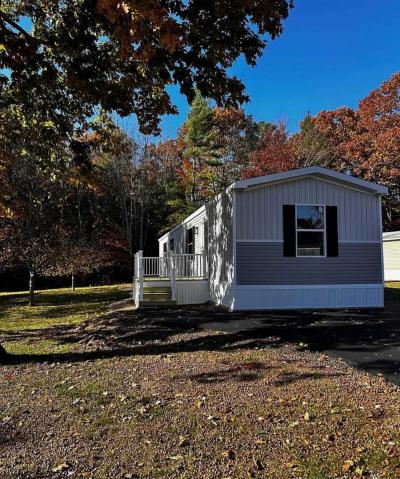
(370, 341)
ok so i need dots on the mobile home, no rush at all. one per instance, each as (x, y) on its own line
(391, 255)
(304, 239)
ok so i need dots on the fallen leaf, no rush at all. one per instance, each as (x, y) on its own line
(258, 464)
(213, 419)
(307, 416)
(61, 467)
(183, 441)
(347, 465)
(178, 457)
(229, 454)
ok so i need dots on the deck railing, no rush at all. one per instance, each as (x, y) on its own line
(171, 267)
(184, 265)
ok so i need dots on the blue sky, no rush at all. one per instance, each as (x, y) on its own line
(332, 53)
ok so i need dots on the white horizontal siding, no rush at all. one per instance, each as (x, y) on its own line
(179, 235)
(392, 274)
(391, 254)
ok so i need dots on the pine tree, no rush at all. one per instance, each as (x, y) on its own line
(201, 152)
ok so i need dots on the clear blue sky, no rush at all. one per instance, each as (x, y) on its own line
(332, 53)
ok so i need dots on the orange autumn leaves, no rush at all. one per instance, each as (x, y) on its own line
(141, 27)
(367, 140)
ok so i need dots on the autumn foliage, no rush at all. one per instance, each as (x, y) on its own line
(275, 153)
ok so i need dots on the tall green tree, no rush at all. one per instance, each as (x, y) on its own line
(201, 149)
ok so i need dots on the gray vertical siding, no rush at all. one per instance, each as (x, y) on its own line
(259, 210)
(264, 263)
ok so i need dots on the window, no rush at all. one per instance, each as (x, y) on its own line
(310, 230)
(190, 241)
(171, 245)
(165, 249)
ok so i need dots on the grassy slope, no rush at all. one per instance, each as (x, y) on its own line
(55, 307)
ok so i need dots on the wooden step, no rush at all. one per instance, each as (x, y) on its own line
(152, 304)
(156, 296)
(156, 289)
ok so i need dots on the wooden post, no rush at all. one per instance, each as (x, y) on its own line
(141, 274)
(31, 288)
(173, 283)
(204, 264)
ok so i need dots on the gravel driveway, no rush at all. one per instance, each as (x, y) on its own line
(368, 341)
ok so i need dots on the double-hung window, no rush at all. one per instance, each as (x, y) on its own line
(310, 230)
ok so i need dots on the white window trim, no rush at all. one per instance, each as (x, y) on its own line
(319, 230)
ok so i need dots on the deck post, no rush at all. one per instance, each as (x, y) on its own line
(141, 274)
(204, 265)
(173, 277)
(173, 284)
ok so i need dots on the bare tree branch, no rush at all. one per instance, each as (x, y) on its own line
(5, 19)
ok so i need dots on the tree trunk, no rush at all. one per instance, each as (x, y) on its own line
(31, 288)
(193, 188)
(73, 282)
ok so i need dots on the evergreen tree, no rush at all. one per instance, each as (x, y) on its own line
(201, 153)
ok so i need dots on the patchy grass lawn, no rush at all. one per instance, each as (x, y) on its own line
(56, 307)
(147, 394)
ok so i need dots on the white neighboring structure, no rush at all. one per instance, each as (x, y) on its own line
(304, 239)
(391, 255)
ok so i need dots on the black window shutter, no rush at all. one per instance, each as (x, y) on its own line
(289, 230)
(331, 231)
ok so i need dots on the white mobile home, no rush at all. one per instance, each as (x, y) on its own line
(391, 254)
(304, 239)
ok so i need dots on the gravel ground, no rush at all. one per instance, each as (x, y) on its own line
(140, 398)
